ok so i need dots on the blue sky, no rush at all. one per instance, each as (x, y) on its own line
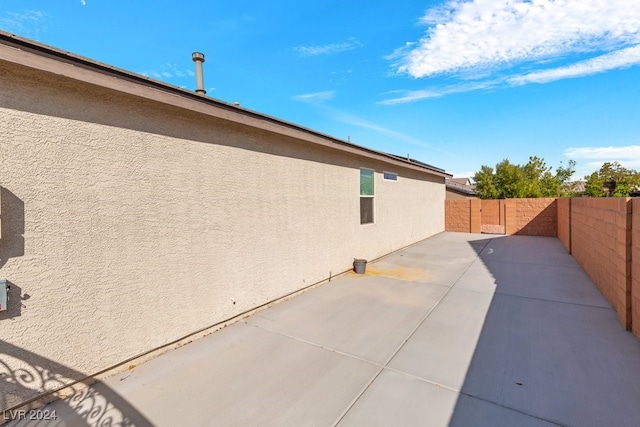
(456, 84)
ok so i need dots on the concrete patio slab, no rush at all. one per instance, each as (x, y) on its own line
(397, 399)
(442, 347)
(364, 316)
(431, 269)
(478, 277)
(241, 375)
(527, 250)
(567, 363)
(563, 283)
(512, 333)
(451, 245)
(471, 411)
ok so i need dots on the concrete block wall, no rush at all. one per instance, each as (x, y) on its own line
(603, 235)
(475, 209)
(463, 216)
(635, 267)
(601, 243)
(458, 215)
(563, 207)
(491, 212)
(531, 217)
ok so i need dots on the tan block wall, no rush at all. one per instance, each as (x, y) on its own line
(600, 242)
(475, 209)
(635, 267)
(532, 217)
(131, 223)
(458, 215)
(463, 216)
(564, 222)
(603, 235)
(491, 212)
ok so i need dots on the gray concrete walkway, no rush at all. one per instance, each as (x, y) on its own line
(460, 329)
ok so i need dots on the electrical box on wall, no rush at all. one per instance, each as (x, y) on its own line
(3, 294)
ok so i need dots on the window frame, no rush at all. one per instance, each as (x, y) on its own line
(368, 196)
(385, 173)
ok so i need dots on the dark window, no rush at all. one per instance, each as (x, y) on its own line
(366, 210)
(390, 176)
(366, 196)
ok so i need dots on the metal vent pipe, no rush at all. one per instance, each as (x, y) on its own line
(198, 58)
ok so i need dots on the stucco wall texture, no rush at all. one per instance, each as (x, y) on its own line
(130, 223)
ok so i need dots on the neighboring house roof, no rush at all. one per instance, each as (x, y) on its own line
(45, 58)
(459, 181)
(577, 187)
(463, 191)
(461, 186)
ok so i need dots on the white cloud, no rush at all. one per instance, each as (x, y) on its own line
(610, 61)
(350, 44)
(628, 156)
(607, 153)
(315, 97)
(28, 23)
(84, 3)
(487, 34)
(515, 42)
(168, 71)
(350, 119)
(416, 95)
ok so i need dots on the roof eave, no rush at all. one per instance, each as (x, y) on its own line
(45, 58)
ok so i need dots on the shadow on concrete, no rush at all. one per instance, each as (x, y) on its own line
(543, 224)
(25, 376)
(550, 350)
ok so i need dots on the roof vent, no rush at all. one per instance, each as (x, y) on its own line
(198, 58)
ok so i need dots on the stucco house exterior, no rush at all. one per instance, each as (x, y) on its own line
(135, 213)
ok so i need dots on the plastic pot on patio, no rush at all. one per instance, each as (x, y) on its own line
(359, 265)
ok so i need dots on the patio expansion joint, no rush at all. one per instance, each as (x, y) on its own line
(323, 347)
(491, 402)
(403, 343)
(538, 264)
(553, 301)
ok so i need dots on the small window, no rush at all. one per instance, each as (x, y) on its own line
(390, 176)
(366, 196)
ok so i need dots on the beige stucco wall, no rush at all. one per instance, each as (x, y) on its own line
(127, 223)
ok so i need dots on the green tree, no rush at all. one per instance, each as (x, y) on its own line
(486, 186)
(563, 175)
(626, 180)
(511, 180)
(534, 179)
